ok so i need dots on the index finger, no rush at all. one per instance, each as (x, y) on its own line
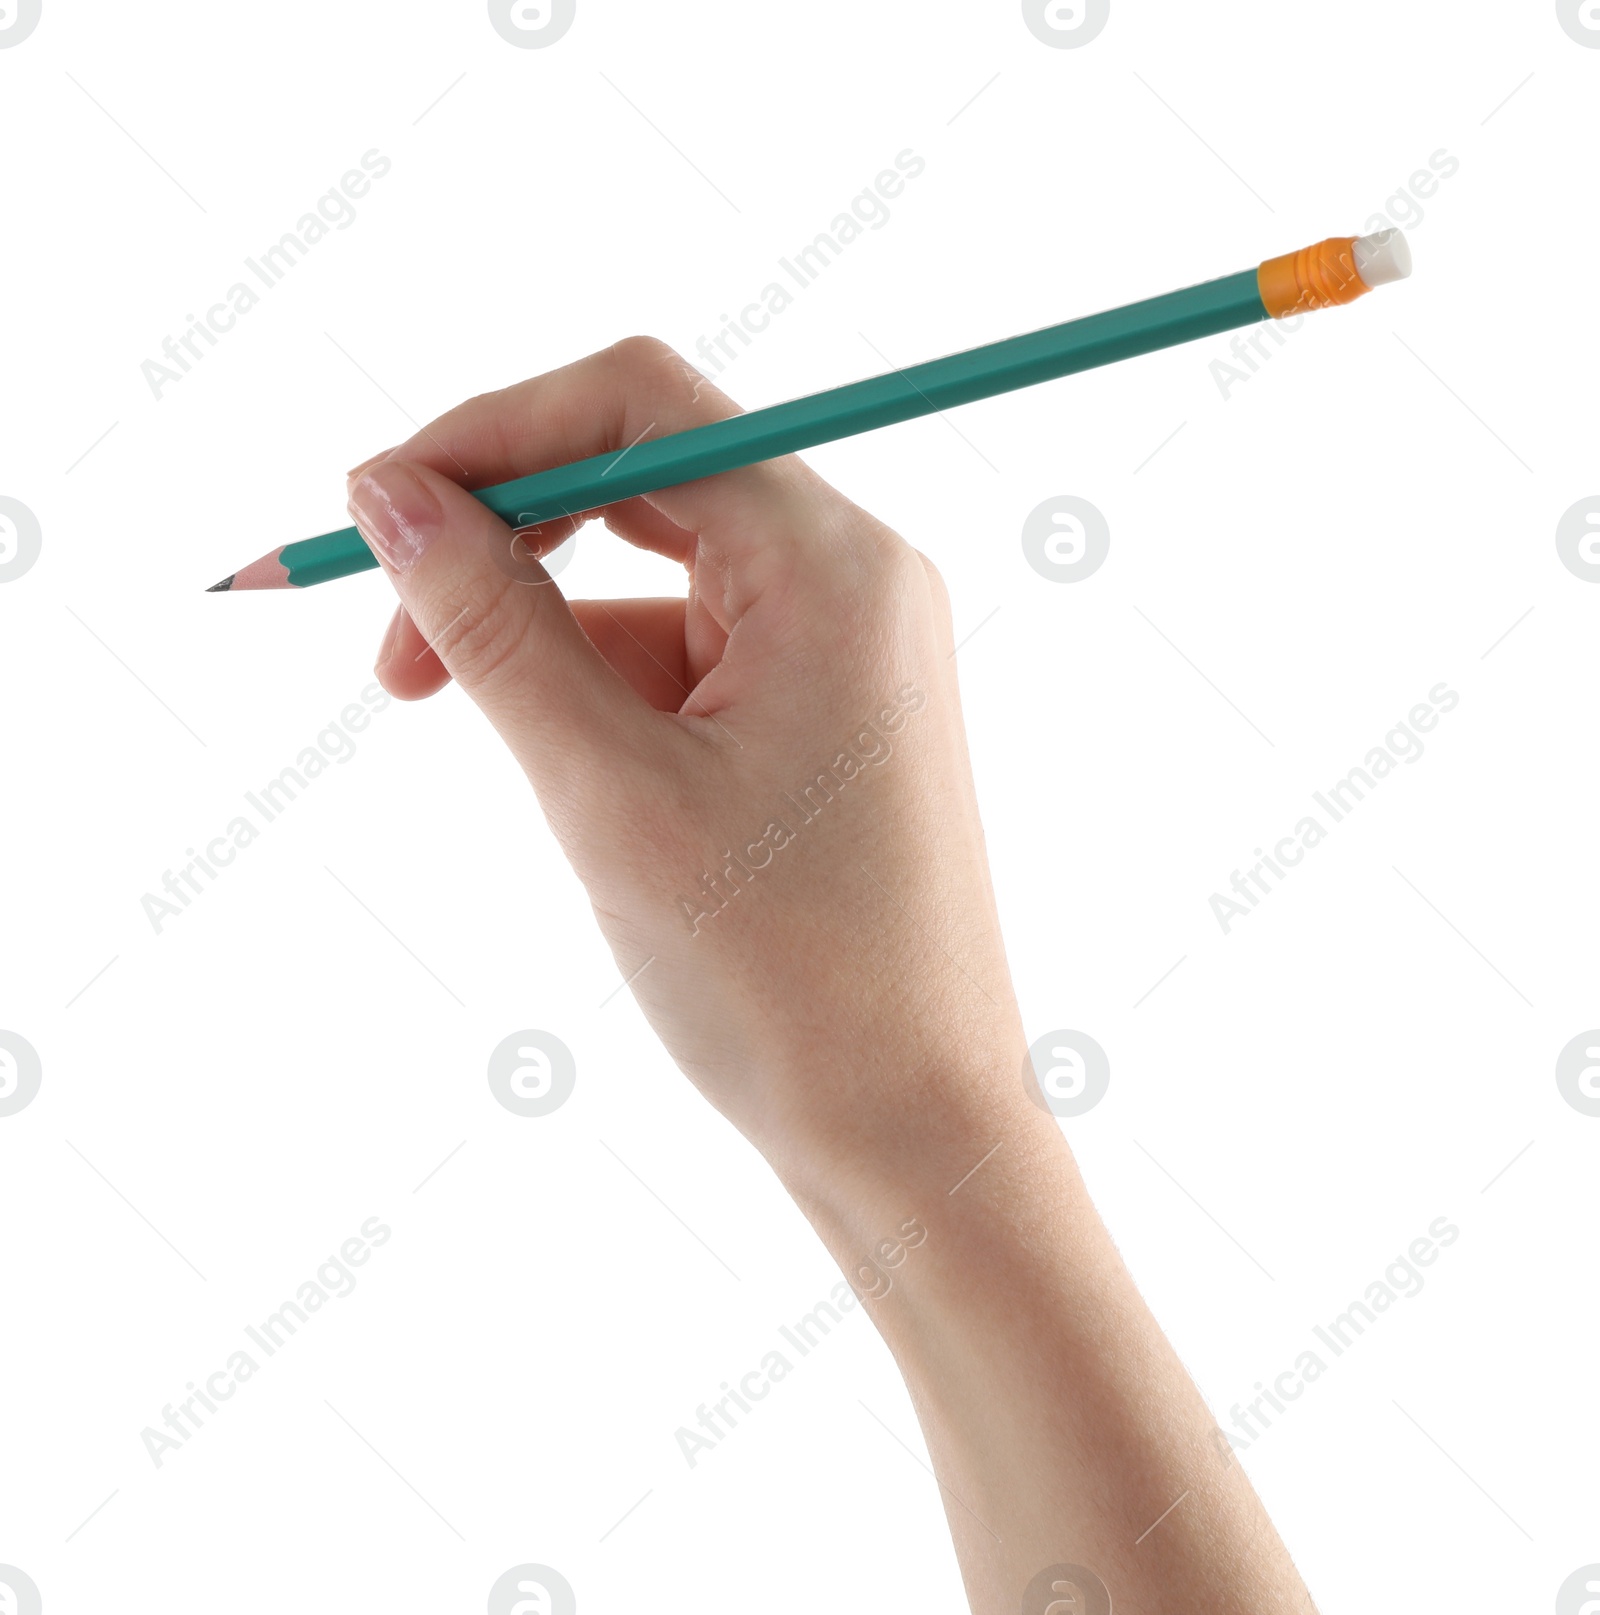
(607, 403)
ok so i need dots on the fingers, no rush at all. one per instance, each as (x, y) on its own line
(407, 666)
(756, 521)
(514, 646)
(771, 535)
(644, 641)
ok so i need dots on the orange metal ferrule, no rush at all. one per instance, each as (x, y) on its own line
(1315, 277)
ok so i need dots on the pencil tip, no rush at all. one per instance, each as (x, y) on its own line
(224, 586)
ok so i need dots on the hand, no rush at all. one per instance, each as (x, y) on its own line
(765, 789)
(764, 786)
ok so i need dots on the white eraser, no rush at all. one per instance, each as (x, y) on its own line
(1382, 257)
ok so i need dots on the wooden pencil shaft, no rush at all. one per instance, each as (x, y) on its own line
(861, 406)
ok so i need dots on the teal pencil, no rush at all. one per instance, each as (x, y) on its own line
(1334, 271)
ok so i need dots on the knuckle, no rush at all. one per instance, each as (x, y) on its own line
(937, 587)
(653, 376)
(891, 551)
(897, 579)
(471, 409)
(646, 356)
(889, 558)
(938, 596)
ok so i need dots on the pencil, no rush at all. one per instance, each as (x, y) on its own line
(1335, 271)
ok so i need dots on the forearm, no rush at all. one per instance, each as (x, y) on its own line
(1059, 1421)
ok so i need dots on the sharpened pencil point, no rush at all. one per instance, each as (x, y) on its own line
(267, 573)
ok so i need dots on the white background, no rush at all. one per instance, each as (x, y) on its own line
(1371, 513)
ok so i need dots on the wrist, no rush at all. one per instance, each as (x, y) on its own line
(944, 1156)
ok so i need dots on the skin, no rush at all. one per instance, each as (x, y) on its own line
(845, 1002)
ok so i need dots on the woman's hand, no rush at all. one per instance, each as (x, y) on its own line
(764, 787)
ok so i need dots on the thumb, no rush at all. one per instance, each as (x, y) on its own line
(498, 623)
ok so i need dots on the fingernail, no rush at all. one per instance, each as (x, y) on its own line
(386, 649)
(396, 514)
(356, 470)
